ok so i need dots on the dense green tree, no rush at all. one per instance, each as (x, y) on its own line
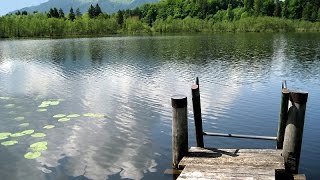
(257, 7)
(78, 13)
(61, 13)
(71, 15)
(91, 11)
(119, 17)
(97, 10)
(277, 9)
(248, 4)
(285, 11)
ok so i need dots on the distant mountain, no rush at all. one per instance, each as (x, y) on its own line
(109, 6)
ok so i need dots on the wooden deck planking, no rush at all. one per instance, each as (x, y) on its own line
(231, 164)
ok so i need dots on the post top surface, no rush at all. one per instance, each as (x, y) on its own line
(179, 101)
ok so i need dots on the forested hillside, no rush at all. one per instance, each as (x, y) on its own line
(169, 16)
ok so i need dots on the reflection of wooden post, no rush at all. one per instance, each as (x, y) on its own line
(197, 114)
(294, 131)
(179, 129)
(283, 115)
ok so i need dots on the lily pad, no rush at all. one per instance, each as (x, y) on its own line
(42, 110)
(41, 143)
(5, 98)
(43, 105)
(19, 118)
(93, 115)
(73, 115)
(9, 105)
(38, 135)
(24, 125)
(4, 135)
(64, 119)
(39, 148)
(59, 116)
(17, 135)
(32, 155)
(48, 126)
(9, 143)
(30, 131)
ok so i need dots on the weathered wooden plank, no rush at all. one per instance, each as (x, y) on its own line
(299, 177)
(202, 163)
(196, 172)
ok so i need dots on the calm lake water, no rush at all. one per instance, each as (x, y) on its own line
(125, 84)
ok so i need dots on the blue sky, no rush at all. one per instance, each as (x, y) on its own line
(11, 5)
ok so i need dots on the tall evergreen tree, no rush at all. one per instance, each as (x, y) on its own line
(61, 13)
(91, 11)
(78, 12)
(71, 15)
(285, 11)
(97, 10)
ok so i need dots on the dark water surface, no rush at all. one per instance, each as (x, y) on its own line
(127, 82)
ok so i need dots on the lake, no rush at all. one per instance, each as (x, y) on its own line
(101, 107)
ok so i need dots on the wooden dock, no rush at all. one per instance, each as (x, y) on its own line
(202, 163)
(208, 163)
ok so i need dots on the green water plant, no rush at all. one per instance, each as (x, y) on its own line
(94, 115)
(19, 118)
(9, 143)
(38, 135)
(4, 135)
(42, 110)
(64, 119)
(39, 146)
(5, 98)
(49, 103)
(73, 115)
(32, 155)
(29, 131)
(24, 125)
(59, 116)
(48, 126)
(10, 106)
(19, 134)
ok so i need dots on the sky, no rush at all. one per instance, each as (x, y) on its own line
(11, 5)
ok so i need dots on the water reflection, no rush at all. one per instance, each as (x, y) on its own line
(130, 80)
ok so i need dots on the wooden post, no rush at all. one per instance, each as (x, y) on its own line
(283, 115)
(179, 129)
(197, 114)
(294, 131)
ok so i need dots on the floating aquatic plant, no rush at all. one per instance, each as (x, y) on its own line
(17, 134)
(24, 125)
(49, 103)
(32, 155)
(42, 110)
(38, 135)
(9, 105)
(48, 126)
(5, 98)
(37, 144)
(73, 115)
(9, 143)
(30, 131)
(4, 135)
(19, 118)
(59, 116)
(93, 115)
(64, 119)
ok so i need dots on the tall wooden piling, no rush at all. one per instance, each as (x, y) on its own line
(179, 129)
(283, 115)
(197, 114)
(294, 131)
